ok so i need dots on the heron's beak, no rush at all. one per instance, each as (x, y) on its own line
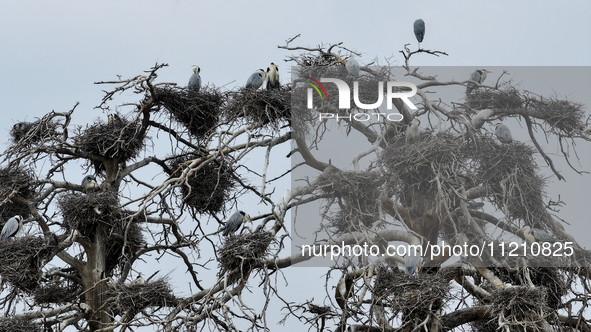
(341, 61)
(488, 71)
(519, 230)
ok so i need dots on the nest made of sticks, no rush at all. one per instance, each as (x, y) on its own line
(199, 111)
(19, 324)
(519, 307)
(86, 212)
(15, 181)
(416, 296)
(562, 115)
(124, 232)
(207, 189)
(119, 139)
(262, 107)
(21, 259)
(506, 98)
(131, 299)
(358, 194)
(27, 134)
(241, 253)
(57, 292)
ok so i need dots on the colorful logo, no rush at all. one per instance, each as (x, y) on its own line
(316, 87)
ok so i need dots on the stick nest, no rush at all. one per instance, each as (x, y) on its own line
(564, 116)
(19, 324)
(262, 107)
(21, 259)
(85, 212)
(120, 139)
(197, 111)
(244, 252)
(133, 298)
(57, 293)
(506, 98)
(15, 181)
(28, 134)
(416, 296)
(207, 189)
(358, 196)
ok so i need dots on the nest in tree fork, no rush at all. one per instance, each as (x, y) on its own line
(262, 107)
(199, 112)
(15, 181)
(27, 134)
(241, 253)
(506, 99)
(358, 194)
(119, 139)
(130, 299)
(21, 260)
(207, 189)
(89, 212)
(19, 324)
(60, 292)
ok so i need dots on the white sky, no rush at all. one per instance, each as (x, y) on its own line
(52, 52)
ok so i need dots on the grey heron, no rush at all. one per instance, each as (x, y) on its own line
(536, 235)
(343, 291)
(12, 227)
(351, 65)
(478, 76)
(256, 79)
(412, 131)
(273, 76)
(419, 30)
(233, 224)
(138, 280)
(89, 182)
(195, 80)
(19, 127)
(475, 205)
(113, 118)
(412, 261)
(503, 133)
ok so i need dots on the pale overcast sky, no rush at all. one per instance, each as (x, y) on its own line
(51, 52)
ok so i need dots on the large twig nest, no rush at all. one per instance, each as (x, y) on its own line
(118, 139)
(130, 299)
(207, 189)
(241, 253)
(198, 111)
(85, 212)
(26, 134)
(505, 99)
(261, 106)
(562, 115)
(57, 292)
(21, 259)
(125, 239)
(15, 181)
(19, 324)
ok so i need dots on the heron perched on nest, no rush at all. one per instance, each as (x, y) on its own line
(503, 133)
(536, 235)
(233, 224)
(412, 262)
(256, 79)
(479, 75)
(89, 182)
(12, 227)
(138, 280)
(419, 30)
(343, 291)
(273, 76)
(195, 80)
(19, 127)
(412, 131)
(113, 118)
(351, 65)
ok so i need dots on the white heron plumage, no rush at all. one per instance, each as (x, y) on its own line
(138, 280)
(256, 80)
(195, 80)
(412, 131)
(12, 227)
(273, 76)
(412, 261)
(536, 235)
(351, 65)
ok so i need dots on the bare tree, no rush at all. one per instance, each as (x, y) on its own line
(173, 164)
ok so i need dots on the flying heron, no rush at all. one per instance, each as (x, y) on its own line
(272, 76)
(536, 235)
(479, 75)
(256, 79)
(233, 224)
(195, 80)
(12, 227)
(351, 65)
(419, 30)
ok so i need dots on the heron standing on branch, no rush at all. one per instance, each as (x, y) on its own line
(503, 133)
(351, 65)
(195, 80)
(272, 76)
(479, 75)
(536, 235)
(12, 227)
(233, 224)
(256, 79)
(419, 30)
